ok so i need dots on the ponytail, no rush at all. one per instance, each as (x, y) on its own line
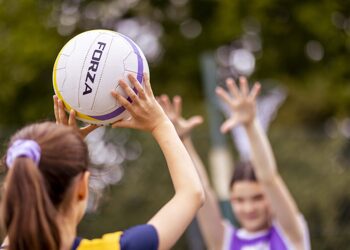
(28, 213)
(42, 161)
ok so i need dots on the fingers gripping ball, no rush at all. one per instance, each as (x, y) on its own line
(89, 66)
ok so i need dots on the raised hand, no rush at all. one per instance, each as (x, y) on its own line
(146, 113)
(173, 110)
(61, 118)
(241, 101)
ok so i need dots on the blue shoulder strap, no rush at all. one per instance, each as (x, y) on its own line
(76, 243)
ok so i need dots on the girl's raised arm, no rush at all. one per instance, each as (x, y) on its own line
(209, 216)
(146, 114)
(243, 106)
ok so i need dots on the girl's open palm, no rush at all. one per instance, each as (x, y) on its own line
(174, 111)
(242, 102)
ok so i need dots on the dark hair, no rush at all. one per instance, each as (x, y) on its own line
(33, 194)
(243, 171)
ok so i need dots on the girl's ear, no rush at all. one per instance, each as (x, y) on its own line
(83, 186)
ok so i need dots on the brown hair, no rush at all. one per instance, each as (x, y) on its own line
(243, 171)
(33, 194)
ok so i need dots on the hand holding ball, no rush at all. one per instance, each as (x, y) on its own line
(89, 67)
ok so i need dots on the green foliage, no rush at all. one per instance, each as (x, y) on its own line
(28, 50)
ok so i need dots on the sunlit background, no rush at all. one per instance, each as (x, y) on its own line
(298, 50)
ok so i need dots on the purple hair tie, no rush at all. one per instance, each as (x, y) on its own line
(23, 148)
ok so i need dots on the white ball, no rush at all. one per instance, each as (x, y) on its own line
(88, 68)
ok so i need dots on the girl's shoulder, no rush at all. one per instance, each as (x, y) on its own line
(135, 238)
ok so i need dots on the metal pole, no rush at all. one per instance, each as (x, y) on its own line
(220, 160)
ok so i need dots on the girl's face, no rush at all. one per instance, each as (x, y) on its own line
(250, 206)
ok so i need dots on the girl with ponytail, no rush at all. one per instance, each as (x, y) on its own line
(43, 161)
(46, 188)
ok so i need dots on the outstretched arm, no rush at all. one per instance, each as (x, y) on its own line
(242, 103)
(209, 216)
(146, 114)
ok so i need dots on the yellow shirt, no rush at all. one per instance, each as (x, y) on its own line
(107, 242)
